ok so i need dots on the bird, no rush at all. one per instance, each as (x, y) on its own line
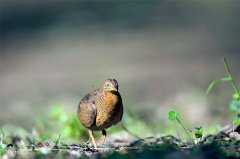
(101, 109)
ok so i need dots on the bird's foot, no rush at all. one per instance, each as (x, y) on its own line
(92, 138)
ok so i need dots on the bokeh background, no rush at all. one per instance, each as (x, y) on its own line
(164, 53)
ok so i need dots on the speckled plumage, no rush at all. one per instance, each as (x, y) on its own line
(101, 108)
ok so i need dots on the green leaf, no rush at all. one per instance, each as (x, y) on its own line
(173, 115)
(226, 79)
(211, 85)
(2, 149)
(235, 106)
(236, 96)
(57, 141)
(215, 82)
(236, 121)
(198, 132)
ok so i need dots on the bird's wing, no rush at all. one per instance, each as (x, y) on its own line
(119, 112)
(87, 109)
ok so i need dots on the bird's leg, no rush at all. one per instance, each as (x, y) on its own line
(104, 133)
(89, 140)
(92, 138)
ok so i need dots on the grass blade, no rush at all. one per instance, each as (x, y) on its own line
(211, 86)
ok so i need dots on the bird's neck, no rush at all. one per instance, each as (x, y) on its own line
(111, 98)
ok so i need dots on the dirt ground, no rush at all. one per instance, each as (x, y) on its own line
(220, 146)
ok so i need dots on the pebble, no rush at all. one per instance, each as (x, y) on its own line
(235, 135)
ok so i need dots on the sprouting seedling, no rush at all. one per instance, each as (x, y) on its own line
(235, 103)
(231, 79)
(198, 132)
(57, 141)
(228, 78)
(175, 117)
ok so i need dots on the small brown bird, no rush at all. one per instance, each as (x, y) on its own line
(101, 109)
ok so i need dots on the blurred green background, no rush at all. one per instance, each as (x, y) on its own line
(164, 53)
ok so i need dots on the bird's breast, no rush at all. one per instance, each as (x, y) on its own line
(110, 100)
(107, 107)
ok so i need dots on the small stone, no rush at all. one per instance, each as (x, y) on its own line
(226, 138)
(235, 135)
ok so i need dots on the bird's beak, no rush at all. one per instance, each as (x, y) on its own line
(113, 89)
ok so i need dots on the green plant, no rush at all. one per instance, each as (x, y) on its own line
(236, 120)
(2, 145)
(175, 117)
(198, 132)
(234, 105)
(57, 141)
(58, 120)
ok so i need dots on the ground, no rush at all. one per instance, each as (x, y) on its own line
(220, 146)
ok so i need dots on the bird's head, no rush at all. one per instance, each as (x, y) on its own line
(110, 85)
